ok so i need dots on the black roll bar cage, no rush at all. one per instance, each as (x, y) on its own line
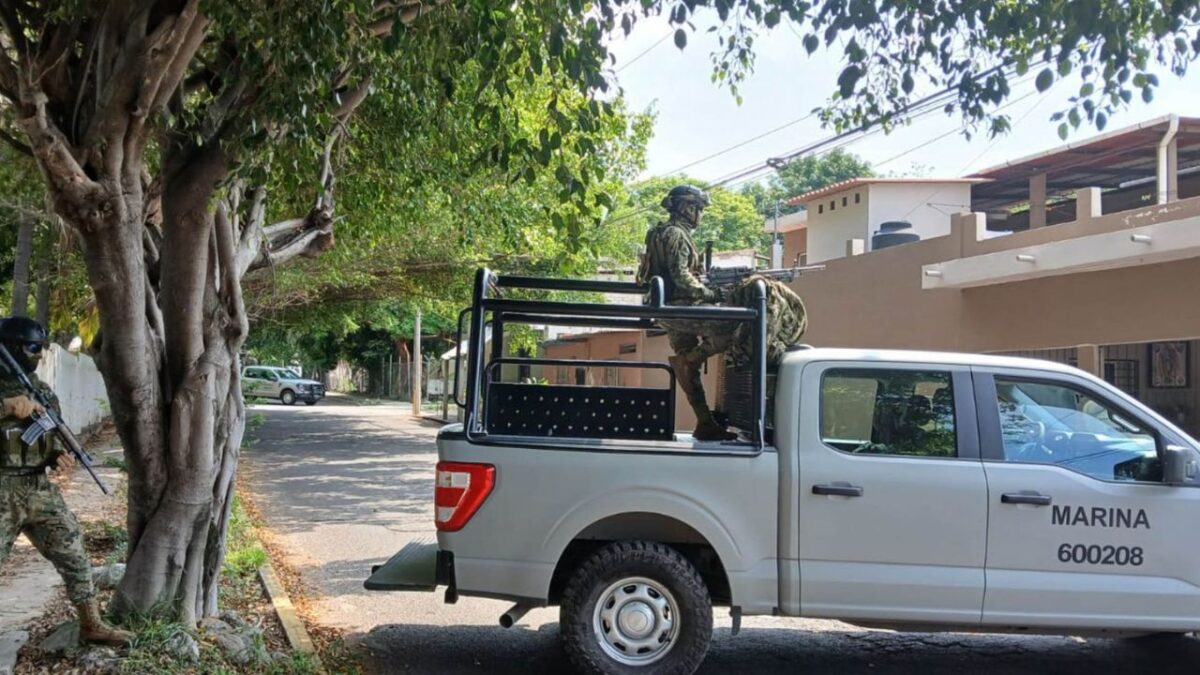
(634, 317)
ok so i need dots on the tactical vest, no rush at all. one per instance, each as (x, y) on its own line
(14, 454)
(658, 253)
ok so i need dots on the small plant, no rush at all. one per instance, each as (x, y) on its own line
(118, 463)
(245, 561)
(256, 420)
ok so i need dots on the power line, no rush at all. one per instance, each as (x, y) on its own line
(646, 51)
(741, 144)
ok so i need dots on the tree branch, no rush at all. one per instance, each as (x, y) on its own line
(405, 12)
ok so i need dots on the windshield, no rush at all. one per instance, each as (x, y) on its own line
(289, 374)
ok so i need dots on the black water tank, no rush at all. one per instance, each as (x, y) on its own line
(893, 233)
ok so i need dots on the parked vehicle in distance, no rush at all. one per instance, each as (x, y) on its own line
(901, 490)
(284, 384)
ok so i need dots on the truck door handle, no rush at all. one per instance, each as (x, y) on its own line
(837, 489)
(1026, 497)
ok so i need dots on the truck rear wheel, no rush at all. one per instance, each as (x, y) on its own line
(636, 607)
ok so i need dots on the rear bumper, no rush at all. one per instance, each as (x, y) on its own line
(419, 566)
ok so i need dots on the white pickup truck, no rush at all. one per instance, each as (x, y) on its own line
(907, 490)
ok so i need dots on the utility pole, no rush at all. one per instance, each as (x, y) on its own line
(776, 245)
(416, 366)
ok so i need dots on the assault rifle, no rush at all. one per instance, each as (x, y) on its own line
(722, 277)
(49, 419)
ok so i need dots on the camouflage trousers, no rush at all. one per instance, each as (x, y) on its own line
(31, 504)
(787, 320)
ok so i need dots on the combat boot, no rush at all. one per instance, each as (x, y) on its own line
(93, 627)
(708, 429)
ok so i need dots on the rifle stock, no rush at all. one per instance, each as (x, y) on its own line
(65, 435)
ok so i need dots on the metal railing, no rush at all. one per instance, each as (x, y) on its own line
(635, 317)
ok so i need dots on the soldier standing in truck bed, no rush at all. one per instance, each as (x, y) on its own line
(29, 502)
(671, 254)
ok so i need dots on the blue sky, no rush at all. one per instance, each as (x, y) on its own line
(697, 118)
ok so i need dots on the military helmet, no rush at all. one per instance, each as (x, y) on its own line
(685, 194)
(22, 330)
(25, 339)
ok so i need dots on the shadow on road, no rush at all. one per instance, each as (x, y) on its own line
(430, 649)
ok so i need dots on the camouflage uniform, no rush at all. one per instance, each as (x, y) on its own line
(30, 503)
(671, 254)
(786, 320)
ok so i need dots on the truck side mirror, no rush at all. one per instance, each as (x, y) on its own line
(1179, 465)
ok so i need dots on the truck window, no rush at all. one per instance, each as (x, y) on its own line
(888, 412)
(1049, 423)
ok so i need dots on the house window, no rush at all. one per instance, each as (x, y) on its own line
(820, 208)
(832, 204)
(630, 348)
(857, 197)
(1122, 374)
(844, 200)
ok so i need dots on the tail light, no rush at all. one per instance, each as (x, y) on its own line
(461, 490)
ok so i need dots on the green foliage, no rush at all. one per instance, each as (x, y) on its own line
(244, 554)
(730, 222)
(805, 175)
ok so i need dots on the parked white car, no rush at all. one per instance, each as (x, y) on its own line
(284, 384)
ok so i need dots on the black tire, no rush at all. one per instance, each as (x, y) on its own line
(310, 403)
(287, 397)
(622, 560)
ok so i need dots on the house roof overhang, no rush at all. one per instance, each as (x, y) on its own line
(1113, 159)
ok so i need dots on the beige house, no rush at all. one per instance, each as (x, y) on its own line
(1087, 254)
(1097, 263)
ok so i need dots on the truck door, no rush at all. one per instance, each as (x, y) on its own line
(252, 382)
(1082, 532)
(893, 500)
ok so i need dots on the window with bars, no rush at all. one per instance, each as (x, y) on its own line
(1122, 374)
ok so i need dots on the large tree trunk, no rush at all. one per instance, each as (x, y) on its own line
(165, 256)
(177, 539)
(24, 254)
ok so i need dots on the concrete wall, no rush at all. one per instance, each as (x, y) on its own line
(876, 300)
(77, 382)
(834, 219)
(928, 206)
(837, 218)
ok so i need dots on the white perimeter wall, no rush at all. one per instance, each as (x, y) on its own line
(77, 382)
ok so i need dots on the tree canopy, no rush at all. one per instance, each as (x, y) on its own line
(805, 175)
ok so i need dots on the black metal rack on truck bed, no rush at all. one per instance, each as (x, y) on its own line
(496, 411)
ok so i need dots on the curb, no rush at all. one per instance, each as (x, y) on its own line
(293, 627)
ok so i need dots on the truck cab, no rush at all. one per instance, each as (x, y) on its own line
(284, 384)
(908, 490)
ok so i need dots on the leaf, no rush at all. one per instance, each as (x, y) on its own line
(811, 42)
(846, 81)
(1044, 80)
(906, 83)
(1063, 131)
(680, 38)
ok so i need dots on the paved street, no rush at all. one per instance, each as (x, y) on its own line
(344, 486)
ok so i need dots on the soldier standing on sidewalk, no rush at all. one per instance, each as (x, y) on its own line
(29, 502)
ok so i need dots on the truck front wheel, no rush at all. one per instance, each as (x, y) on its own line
(636, 607)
